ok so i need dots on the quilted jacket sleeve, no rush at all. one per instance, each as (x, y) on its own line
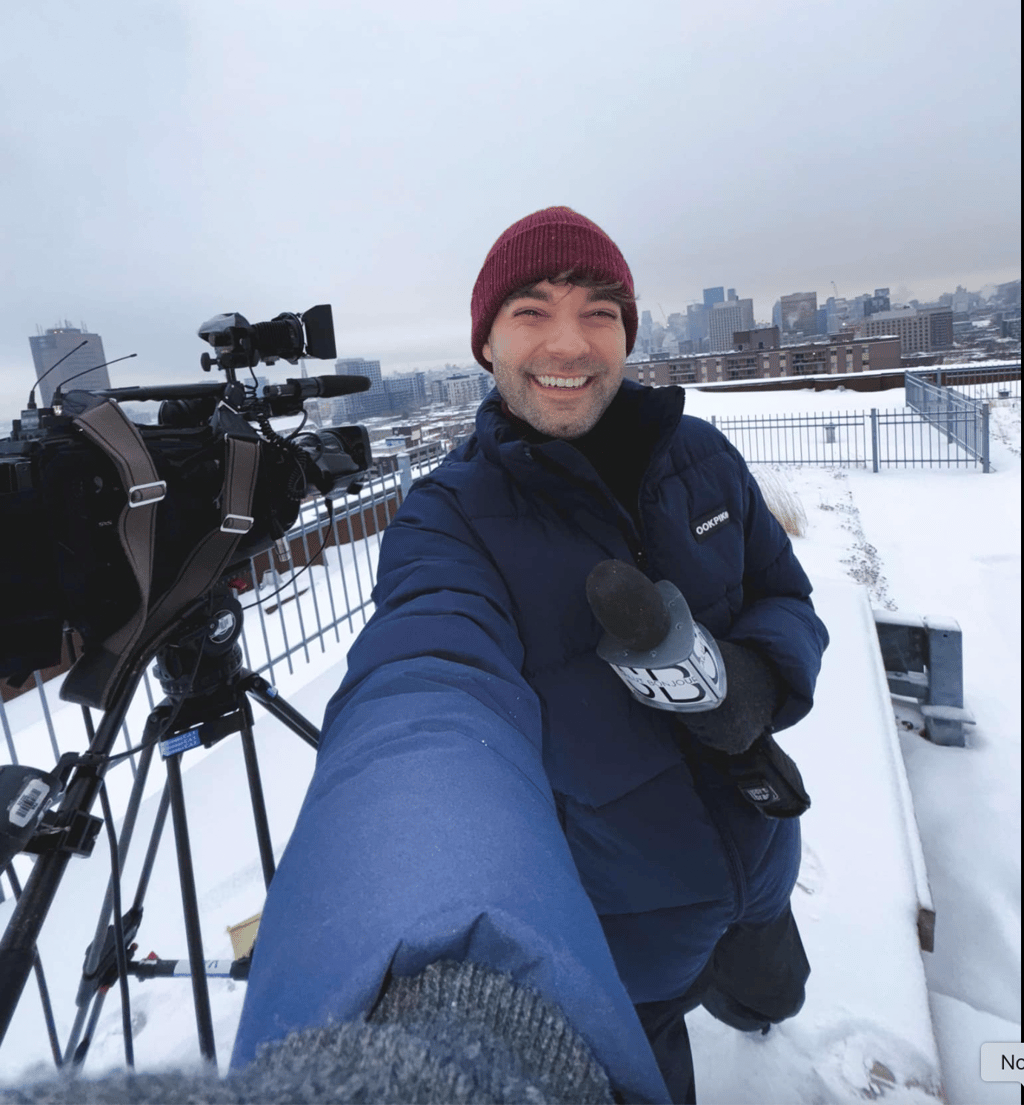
(778, 617)
(429, 830)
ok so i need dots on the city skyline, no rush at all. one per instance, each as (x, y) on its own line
(146, 188)
(435, 367)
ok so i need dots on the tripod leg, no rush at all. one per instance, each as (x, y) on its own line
(86, 992)
(82, 1049)
(44, 990)
(259, 807)
(194, 939)
(18, 942)
(271, 701)
(89, 983)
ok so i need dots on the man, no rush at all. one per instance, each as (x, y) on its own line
(487, 790)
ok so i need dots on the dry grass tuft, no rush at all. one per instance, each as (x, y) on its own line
(782, 501)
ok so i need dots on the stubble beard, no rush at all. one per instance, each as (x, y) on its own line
(527, 404)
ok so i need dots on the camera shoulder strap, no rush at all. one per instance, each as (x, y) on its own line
(98, 674)
(212, 555)
(107, 426)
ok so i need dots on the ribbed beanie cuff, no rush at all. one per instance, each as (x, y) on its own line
(540, 246)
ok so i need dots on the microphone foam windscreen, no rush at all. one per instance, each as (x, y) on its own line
(628, 605)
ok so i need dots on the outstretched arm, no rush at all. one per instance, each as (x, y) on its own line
(429, 831)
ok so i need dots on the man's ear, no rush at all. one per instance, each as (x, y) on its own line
(486, 350)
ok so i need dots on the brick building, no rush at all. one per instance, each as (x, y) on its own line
(919, 331)
(837, 356)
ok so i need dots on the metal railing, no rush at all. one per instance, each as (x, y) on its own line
(1001, 381)
(962, 419)
(875, 439)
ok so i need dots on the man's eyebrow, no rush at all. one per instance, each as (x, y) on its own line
(531, 291)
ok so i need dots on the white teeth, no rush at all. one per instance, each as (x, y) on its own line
(562, 381)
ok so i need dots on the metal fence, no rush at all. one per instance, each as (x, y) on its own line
(875, 439)
(979, 381)
(958, 416)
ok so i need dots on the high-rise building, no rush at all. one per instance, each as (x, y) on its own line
(697, 325)
(878, 302)
(643, 333)
(713, 296)
(364, 403)
(462, 389)
(727, 318)
(51, 345)
(799, 315)
(920, 331)
(406, 390)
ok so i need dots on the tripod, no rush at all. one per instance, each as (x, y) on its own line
(208, 693)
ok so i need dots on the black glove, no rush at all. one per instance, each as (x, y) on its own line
(751, 697)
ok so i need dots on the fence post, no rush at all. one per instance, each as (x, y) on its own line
(405, 469)
(713, 423)
(984, 437)
(874, 439)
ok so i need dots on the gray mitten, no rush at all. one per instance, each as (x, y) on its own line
(751, 698)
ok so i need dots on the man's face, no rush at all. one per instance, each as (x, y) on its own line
(559, 354)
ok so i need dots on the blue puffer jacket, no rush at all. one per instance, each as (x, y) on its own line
(487, 788)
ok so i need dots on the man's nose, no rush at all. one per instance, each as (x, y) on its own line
(567, 340)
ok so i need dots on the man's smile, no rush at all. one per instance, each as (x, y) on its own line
(562, 383)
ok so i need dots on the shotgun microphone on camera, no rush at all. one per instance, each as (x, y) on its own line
(317, 387)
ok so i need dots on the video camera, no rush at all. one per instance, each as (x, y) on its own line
(113, 528)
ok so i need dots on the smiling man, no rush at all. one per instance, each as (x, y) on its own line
(487, 790)
(558, 351)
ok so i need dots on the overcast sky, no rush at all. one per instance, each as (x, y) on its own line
(162, 161)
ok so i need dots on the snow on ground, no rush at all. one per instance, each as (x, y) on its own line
(930, 542)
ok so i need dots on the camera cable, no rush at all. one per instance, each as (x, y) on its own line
(305, 567)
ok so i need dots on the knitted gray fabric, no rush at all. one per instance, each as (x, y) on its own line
(751, 696)
(457, 1033)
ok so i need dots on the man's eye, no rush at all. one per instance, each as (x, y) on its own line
(527, 311)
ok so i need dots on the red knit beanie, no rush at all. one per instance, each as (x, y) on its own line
(538, 247)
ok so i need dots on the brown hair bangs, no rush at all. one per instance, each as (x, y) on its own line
(613, 290)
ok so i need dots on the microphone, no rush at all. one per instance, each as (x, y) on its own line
(651, 641)
(670, 662)
(323, 387)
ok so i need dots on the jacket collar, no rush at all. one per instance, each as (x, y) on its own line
(502, 440)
